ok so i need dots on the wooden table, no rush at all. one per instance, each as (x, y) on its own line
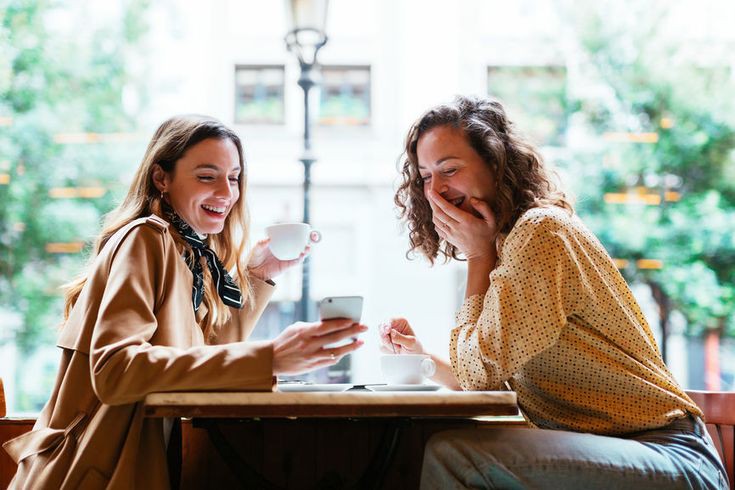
(443, 404)
(311, 439)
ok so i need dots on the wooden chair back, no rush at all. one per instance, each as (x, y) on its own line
(719, 414)
(2, 399)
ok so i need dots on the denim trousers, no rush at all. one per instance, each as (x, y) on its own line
(678, 456)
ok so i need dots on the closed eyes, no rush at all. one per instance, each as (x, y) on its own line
(235, 179)
(448, 173)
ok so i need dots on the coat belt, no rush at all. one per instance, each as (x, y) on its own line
(39, 440)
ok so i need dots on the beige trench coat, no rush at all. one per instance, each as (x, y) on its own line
(132, 332)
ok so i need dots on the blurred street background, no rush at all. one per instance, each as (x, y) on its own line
(630, 101)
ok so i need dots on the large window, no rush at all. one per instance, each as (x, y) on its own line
(345, 96)
(259, 94)
(635, 113)
(535, 98)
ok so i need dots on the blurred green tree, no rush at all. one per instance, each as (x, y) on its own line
(63, 133)
(658, 181)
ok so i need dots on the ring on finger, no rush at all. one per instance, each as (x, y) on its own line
(332, 356)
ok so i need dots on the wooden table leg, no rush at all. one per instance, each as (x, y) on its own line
(374, 474)
(245, 474)
(174, 456)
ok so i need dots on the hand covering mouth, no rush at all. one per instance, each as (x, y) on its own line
(456, 201)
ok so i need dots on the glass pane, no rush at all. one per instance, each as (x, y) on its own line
(259, 94)
(345, 96)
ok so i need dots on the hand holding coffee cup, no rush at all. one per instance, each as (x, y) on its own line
(265, 264)
(407, 369)
(289, 240)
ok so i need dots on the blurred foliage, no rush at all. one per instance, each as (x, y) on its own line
(59, 74)
(537, 96)
(643, 81)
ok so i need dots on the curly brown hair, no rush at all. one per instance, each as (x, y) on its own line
(523, 181)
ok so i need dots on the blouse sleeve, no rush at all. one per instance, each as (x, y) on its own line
(125, 366)
(521, 314)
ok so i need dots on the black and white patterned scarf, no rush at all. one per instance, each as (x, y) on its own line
(226, 287)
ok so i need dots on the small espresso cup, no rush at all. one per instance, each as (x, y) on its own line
(406, 369)
(288, 240)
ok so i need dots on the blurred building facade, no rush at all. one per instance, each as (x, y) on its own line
(384, 64)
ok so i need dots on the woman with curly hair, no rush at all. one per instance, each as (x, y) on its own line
(547, 313)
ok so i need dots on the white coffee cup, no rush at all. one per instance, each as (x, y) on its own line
(288, 240)
(406, 369)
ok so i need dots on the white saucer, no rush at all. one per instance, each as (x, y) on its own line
(291, 387)
(420, 387)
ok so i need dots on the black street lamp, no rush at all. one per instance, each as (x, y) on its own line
(306, 35)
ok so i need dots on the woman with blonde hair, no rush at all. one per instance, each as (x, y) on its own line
(547, 313)
(157, 310)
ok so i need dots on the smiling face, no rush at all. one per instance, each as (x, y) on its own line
(451, 167)
(204, 185)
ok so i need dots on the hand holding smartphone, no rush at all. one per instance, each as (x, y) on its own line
(333, 307)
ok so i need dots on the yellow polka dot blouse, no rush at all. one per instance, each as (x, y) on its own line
(561, 326)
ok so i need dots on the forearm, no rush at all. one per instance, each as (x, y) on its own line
(127, 374)
(444, 375)
(478, 275)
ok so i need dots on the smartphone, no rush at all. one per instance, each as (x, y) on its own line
(341, 307)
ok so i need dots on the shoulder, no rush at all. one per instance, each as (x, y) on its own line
(150, 228)
(154, 222)
(548, 216)
(542, 228)
(143, 236)
(546, 220)
(553, 228)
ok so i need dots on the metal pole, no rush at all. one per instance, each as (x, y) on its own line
(306, 82)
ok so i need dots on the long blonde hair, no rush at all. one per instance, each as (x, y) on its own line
(522, 178)
(171, 140)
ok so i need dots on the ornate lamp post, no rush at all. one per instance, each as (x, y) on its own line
(306, 22)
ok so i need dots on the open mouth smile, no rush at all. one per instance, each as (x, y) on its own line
(214, 210)
(457, 201)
